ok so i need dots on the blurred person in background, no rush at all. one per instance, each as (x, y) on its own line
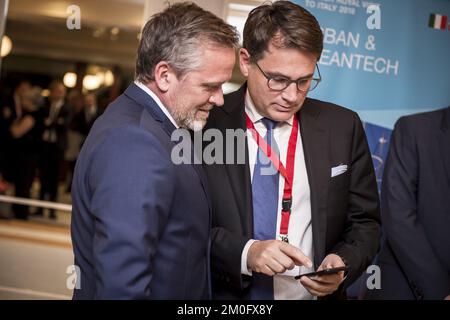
(55, 115)
(75, 137)
(25, 132)
(79, 127)
(90, 113)
(11, 110)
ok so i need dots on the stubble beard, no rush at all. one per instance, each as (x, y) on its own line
(187, 119)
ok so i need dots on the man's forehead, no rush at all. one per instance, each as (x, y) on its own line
(293, 67)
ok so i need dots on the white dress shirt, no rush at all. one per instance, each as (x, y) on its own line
(157, 100)
(300, 229)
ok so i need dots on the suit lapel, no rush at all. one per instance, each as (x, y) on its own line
(154, 112)
(143, 99)
(239, 174)
(444, 141)
(201, 174)
(315, 140)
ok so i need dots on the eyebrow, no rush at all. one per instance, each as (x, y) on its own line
(280, 75)
(212, 84)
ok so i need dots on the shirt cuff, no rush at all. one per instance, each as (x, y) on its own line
(244, 268)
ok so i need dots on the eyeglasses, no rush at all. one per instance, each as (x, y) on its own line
(278, 83)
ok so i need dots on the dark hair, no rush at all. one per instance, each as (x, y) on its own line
(286, 25)
(175, 35)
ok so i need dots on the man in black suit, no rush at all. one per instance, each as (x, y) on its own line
(330, 216)
(55, 117)
(90, 113)
(415, 202)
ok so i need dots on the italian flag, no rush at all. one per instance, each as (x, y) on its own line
(437, 21)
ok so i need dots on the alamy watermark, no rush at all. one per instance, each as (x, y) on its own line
(212, 146)
(373, 282)
(73, 281)
(374, 20)
(73, 21)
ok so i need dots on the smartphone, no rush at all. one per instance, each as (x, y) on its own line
(323, 272)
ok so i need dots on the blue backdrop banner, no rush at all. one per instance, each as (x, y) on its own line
(384, 62)
(383, 59)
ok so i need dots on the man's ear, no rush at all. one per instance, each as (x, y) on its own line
(244, 61)
(164, 75)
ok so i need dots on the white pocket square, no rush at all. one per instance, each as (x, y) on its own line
(340, 169)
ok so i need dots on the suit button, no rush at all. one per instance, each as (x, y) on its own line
(417, 291)
(419, 294)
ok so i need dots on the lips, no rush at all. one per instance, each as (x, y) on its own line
(282, 108)
(207, 109)
(204, 113)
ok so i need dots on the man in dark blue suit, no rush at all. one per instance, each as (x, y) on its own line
(140, 223)
(415, 201)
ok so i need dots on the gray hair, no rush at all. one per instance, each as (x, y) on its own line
(175, 36)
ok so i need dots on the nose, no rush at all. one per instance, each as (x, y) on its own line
(290, 94)
(217, 98)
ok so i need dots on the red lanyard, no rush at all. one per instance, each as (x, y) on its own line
(287, 172)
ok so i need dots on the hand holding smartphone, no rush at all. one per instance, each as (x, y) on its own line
(323, 272)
